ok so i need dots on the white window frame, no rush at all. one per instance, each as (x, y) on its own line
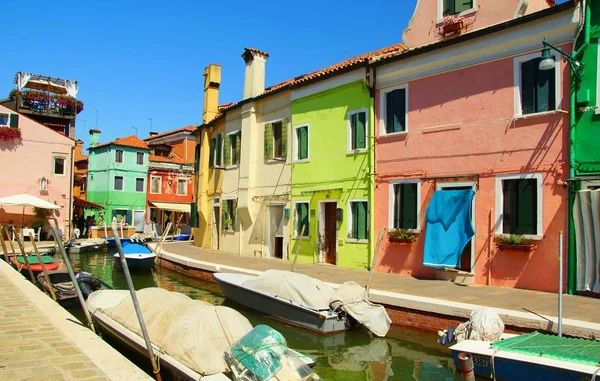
(143, 158)
(440, 10)
(7, 119)
(122, 156)
(295, 226)
(383, 109)
(350, 221)
(159, 184)
(295, 143)
(518, 107)
(278, 159)
(500, 203)
(177, 186)
(230, 134)
(54, 157)
(143, 186)
(122, 182)
(349, 115)
(391, 203)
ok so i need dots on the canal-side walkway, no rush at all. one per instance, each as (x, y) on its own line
(39, 340)
(425, 304)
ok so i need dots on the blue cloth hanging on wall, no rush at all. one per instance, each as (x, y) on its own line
(448, 227)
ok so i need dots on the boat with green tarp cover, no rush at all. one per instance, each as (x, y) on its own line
(533, 356)
(34, 263)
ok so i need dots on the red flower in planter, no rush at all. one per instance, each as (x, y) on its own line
(9, 133)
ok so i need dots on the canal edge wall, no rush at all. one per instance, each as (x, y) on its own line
(418, 312)
(107, 359)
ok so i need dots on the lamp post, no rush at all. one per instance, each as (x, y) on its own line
(547, 62)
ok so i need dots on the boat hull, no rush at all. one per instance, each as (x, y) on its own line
(86, 248)
(136, 262)
(280, 309)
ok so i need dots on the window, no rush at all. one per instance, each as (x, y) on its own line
(118, 183)
(59, 166)
(357, 130)
(519, 204)
(302, 219)
(155, 184)
(404, 205)
(453, 7)
(139, 184)
(394, 110)
(140, 158)
(535, 90)
(275, 140)
(229, 213)
(4, 119)
(358, 226)
(119, 156)
(216, 145)
(181, 187)
(83, 185)
(301, 143)
(232, 148)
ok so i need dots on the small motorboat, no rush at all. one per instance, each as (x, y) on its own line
(180, 329)
(63, 287)
(138, 257)
(87, 246)
(34, 264)
(304, 301)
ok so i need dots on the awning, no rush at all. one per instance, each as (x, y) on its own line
(85, 204)
(174, 207)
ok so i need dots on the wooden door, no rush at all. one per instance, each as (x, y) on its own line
(330, 233)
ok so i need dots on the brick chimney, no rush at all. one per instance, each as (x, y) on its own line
(212, 81)
(94, 137)
(254, 77)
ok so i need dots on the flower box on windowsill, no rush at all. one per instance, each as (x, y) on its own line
(401, 241)
(526, 248)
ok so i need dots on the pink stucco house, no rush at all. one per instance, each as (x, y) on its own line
(466, 110)
(38, 163)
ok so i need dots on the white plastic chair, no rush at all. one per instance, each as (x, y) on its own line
(36, 235)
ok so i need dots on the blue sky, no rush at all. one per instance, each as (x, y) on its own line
(139, 60)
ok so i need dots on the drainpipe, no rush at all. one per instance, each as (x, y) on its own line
(572, 257)
(371, 173)
(71, 200)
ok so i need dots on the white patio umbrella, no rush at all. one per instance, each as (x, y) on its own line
(24, 200)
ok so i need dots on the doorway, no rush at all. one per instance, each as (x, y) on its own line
(329, 231)
(467, 257)
(275, 231)
(138, 220)
(216, 218)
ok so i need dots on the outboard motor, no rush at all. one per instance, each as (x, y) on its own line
(87, 283)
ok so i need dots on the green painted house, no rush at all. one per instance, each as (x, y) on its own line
(584, 159)
(330, 131)
(117, 173)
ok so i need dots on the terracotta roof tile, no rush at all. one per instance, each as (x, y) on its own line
(131, 141)
(189, 128)
(253, 50)
(165, 159)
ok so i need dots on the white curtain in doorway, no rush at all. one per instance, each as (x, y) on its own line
(586, 216)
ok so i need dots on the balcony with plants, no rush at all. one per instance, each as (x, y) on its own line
(42, 102)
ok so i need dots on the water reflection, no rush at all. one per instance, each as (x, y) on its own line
(356, 355)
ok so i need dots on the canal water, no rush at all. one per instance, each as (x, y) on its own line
(404, 354)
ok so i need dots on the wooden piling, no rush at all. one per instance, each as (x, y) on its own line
(372, 269)
(4, 248)
(298, 248)
(25, 257)
(12, 247)
(44, 269)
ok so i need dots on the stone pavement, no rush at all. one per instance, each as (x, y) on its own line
(416, 293)
(39, 340)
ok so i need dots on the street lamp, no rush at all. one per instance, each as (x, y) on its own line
(547, 62)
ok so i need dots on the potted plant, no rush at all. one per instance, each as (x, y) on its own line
(229, 224)
(452, 24)
(402, 236)
(514, 242)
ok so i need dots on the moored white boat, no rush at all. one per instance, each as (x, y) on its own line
(138, 257)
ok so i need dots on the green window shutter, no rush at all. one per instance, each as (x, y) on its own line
(128, 218)
(462, 5)
(224, 214)
(197, 158)
(527, 206)
(545, 87)
(234, 211)
(396, 111)
(14, 120)
(211, 159)
(227, 150)
(448, 7)
(359, 130)
(218, 149)
(302, 137)
(397, 206)
(302, 215)
(528, 86)
(362, 219)
(238, 148)
(284, 137)
(509, 209)
(193, 215)
(268, 141)
(409, 206)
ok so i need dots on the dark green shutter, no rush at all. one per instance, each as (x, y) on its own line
(359, 130)
(302, 136)
(409, 206)
(218, 149)
(211, 159)
(194, 215)
(462, 5)
(395, 111)
(197, 158)
(527, 206)
(14, 120)
(284, 137)
(448, 7)
(509, 209)
(227, 150)
(224, 214)
(545, 82)
(397, 206)
(238, 147)
(128, 219)
(359, 220)
(528, 86)
(303, 219)
(268, 141)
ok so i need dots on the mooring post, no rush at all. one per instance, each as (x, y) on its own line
(25, 257)
(4, 249)
(466, 367)
(12, 247)
(298, 248)
(44, 269)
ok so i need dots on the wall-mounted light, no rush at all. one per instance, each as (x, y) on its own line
(547, 62)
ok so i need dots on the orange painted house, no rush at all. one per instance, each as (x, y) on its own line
(469, 109)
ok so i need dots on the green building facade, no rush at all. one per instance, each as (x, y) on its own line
(330, 176)
(117, 176)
